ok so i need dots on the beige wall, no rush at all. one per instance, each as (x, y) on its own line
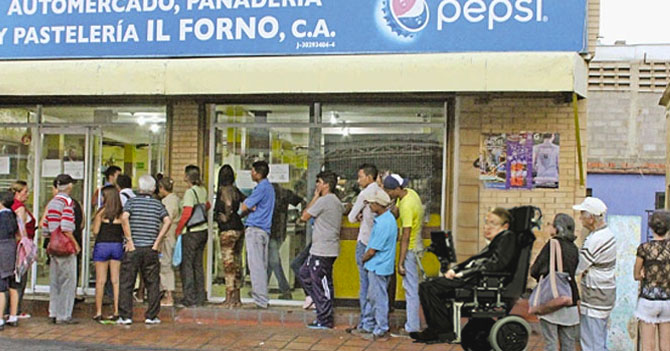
(512, 115)
(593, 28)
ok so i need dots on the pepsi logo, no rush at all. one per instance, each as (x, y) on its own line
(406, 17)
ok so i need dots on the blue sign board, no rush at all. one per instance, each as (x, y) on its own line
(35, 29)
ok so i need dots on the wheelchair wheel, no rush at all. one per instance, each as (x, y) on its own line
(510, 333)
(475, 334)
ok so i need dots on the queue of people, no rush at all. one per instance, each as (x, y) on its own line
(136, 233)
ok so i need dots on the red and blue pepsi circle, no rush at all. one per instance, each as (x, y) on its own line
(406, 17)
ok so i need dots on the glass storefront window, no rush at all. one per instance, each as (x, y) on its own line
(404, 139)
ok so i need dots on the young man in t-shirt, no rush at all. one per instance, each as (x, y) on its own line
(379, 259)
(316, 274)
(410, 220)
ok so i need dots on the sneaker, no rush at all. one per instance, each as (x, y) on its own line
(374, 337)
(401, 333)
(124, 321)
(318, 326)
(309, 303)
(152, 321)
(358, 332)
(24, 315)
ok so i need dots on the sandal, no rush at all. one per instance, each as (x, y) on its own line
(112, 317)
(97, 318)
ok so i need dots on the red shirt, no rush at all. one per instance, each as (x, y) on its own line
(30, 223)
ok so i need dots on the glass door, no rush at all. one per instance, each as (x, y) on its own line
(77, 152)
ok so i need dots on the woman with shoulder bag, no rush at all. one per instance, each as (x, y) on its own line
(231, 231)
(652, 269)
(193, 225)
(561, 326)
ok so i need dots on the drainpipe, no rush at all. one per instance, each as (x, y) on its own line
(579, 139)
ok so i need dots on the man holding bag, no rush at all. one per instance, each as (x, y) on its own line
(562, 324)
(62, 250)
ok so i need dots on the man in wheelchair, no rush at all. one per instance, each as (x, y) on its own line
(501, 258)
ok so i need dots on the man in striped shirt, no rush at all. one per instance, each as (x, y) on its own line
(62, 269)
(149, 221)
(597, 262)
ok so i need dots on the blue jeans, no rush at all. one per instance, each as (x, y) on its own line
(274, 265)
(593, 333)
(410, 283)
(376, 318)
(363, 281)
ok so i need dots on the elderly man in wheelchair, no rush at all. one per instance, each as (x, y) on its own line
(484, 288)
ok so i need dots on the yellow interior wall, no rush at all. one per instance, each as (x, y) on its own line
(345, 270)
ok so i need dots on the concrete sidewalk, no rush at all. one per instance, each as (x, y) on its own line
(180, 336)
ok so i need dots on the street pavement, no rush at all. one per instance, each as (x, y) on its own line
(38, 334)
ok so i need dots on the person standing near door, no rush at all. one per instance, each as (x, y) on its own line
(283, 198)
(21, 193)
(361, 212)
(111, 173)
(194, 239)
(62, 271)
(231, 229)
(125, 185)
(171, 203)
(259, 206)
(410, 221)
(316, 274)
(149, 222)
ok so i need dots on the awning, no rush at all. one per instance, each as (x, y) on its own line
(461, 72)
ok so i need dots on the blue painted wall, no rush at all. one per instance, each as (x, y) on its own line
(627, 194)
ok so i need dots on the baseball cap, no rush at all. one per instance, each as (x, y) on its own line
(63, 179)
(394, 181)
(379, 197)
(592, 205)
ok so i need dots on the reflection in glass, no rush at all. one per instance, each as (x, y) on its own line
(296, 153)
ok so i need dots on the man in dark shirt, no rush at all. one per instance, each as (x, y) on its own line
(500, 255)
(283, 198)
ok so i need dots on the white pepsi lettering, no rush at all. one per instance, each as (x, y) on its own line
(525, 10)
(493, 17)
(443, 18)
(493, 11)
(468, 11)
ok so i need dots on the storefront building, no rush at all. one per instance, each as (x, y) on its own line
(437, 92)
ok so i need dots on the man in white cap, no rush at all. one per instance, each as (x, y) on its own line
(597, 262)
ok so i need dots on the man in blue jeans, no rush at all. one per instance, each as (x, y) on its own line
(360, 212)
(259, 206)
(379, 261)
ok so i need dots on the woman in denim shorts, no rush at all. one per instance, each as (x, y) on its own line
(652, 268)
(109, 231)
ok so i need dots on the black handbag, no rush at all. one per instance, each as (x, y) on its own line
(199, 214)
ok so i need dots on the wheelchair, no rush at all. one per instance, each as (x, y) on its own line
(487, 302)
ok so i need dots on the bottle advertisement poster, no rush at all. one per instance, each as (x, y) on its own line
(526, 160)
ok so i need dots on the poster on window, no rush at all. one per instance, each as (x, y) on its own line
(525, 160)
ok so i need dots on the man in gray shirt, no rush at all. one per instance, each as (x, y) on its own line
(316, 274)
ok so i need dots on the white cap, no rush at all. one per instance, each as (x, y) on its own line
(379, 196)
(592, 205)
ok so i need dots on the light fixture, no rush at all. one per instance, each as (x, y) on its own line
(155, 128)
(141, 121)
(345, 131)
